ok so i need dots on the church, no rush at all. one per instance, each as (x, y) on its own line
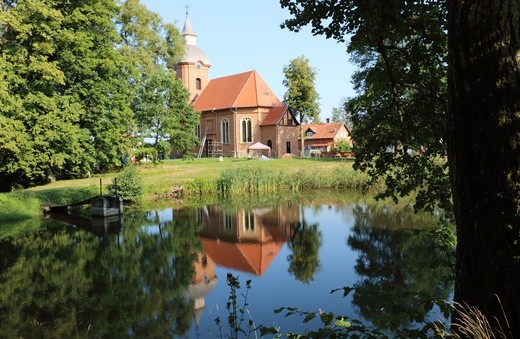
(239, 113)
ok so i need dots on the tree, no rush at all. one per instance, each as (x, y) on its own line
(340, 113)
(301, 93)
(484, 155)
(160, 101)
(402, 102)
(61, 79)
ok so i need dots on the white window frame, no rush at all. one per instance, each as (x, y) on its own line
(246, 132)
(249, 222)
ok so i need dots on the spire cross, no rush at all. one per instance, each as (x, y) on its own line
(187, 9)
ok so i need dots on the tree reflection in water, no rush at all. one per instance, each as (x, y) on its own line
(153, 276)
(304, 261)
(66, 282)
(403, 270)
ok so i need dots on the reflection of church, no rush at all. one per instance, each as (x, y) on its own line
(237, 239)
(245, 240)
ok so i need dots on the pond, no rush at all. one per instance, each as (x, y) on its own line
(162, 272)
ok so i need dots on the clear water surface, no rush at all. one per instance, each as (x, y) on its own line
(162, 272)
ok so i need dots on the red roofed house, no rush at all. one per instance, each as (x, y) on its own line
(323, 137)
(237, 110)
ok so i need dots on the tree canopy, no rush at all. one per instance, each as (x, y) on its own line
(301, 95)
(436, 115)
(70, 75)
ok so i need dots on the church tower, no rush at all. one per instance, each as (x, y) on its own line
(193, 68)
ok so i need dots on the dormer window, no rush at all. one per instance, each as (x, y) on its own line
(309, 133)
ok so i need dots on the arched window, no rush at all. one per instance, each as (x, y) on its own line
(224, 129)
(246, 130)
(198, 84)
(270, 143)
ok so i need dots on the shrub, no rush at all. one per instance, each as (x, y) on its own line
(129, 184)
(342, 146)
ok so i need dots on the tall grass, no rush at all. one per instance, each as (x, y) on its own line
(255, 180)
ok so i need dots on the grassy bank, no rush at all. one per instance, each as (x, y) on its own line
(198, 177)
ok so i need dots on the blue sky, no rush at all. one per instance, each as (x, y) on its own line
(240, 36)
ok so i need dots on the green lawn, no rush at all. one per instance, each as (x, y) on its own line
(178, 172)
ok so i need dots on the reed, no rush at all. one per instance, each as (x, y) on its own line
(471, 323)
(262, 180)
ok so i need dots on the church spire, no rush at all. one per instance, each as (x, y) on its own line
(190, 37)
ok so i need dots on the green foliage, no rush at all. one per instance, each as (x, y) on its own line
(201, 186)
(159, 99)
(129, 184)
(257, 180)
(305, 245)
(340, 114)
(236, 311)
(70, 75)
(18, 206)
(65, 196)
(64, 282)
(400, 108)
(342, 146)
(301, 95)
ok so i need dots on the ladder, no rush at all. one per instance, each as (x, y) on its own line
(203, 142)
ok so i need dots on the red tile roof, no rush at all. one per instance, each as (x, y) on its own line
(274, 115)
(240, 90)
(323, 131)
(252, 258)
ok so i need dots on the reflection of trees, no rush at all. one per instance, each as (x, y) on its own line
(305, 244)
(402, 268)
(66, 283)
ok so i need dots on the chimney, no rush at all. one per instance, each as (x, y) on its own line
(327, 120)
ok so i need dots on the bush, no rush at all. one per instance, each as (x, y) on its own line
(342, 146)
(129, 184)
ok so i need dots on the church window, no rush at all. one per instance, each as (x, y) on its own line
(249, 222)
(270, 143)
(225, 131)
(198, 84)
(227, 220)
(246, 130)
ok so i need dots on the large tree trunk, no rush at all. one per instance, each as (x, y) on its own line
(484, 155)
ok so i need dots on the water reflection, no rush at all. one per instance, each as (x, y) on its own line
(154, 274)
(245, 240)
(401, 271)
(304, 261)
(98, 226)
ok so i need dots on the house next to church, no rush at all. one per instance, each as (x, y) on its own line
(325, 137)
(237, 111)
